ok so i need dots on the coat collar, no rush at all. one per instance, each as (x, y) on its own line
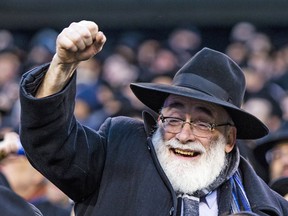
(150, 122)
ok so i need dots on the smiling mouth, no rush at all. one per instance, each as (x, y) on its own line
(185, 153)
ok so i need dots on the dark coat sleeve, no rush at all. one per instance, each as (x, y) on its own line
(55, 143)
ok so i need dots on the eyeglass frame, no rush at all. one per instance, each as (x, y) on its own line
(210, 126)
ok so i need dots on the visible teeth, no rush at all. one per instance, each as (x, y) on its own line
(188, 153)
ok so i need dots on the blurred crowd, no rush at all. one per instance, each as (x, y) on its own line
(103, 81)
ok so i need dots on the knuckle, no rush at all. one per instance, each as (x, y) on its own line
(73, 24)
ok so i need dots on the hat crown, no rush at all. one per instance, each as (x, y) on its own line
(215, 74)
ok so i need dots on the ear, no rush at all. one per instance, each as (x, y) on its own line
(231, 139)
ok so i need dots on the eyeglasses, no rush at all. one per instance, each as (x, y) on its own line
(199, 128)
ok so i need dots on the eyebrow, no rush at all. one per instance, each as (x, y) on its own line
(205, 110)
(179, 105)
(175, 104)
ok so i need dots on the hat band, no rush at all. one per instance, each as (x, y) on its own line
(200, 84)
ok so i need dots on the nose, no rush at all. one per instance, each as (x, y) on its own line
(185, 135)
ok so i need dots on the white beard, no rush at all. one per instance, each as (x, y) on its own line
(188, 176)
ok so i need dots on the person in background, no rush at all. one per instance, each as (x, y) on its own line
(181, 160)
(10, 65)
(272, 153)
(280, 185)
(25, 180)
(11, 203)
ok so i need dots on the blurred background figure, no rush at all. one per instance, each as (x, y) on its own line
(266, 109)
(238, 51)
(242, 32)
(185, 41)
(6, 39)
(12, 204)
(89, 73)
(41, 48)
(118, 73)
(88, 107)
(57, 197)
(26, 181)
(284, 106)
(280, 185)
(10, 66)
(146, 54)
(272, 153)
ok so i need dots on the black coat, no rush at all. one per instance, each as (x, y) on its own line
(112, 172)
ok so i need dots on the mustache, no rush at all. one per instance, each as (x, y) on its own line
(192, 146)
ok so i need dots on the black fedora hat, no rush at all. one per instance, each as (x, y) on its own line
(265, 144)
(209, 76)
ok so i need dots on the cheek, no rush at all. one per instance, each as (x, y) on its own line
(208, 143)
(167, 136)
(213, 142)
(274, 166)
(274, 170)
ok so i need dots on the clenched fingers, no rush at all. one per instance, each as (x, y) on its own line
(78, 36)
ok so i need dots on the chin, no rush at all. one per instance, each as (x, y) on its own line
(189, 171)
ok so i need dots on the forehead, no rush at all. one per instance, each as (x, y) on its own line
(283, 145)
(185, 104)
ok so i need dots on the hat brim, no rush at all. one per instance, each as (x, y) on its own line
(153, 96)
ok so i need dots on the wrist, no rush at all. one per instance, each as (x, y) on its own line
(57, 76)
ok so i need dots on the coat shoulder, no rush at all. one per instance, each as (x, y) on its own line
(125, 124)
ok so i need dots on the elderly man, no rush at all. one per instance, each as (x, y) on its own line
(183, 163)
